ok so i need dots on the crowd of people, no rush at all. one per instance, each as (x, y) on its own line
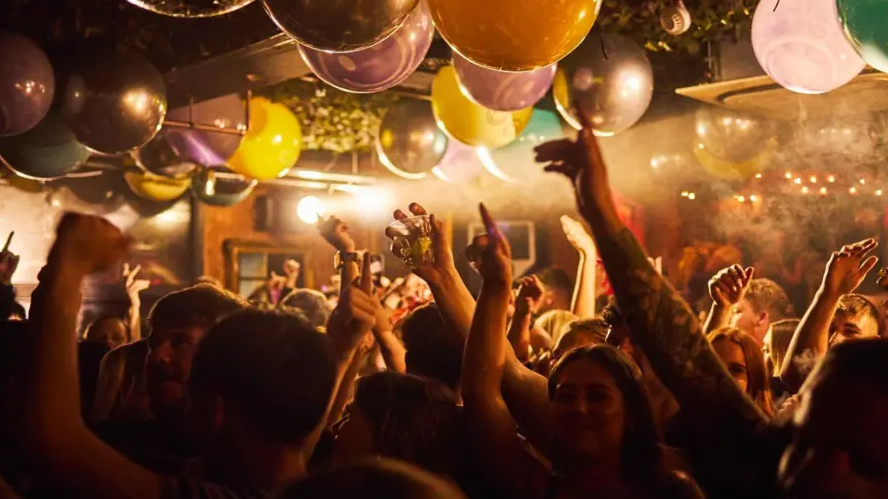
(532, 389)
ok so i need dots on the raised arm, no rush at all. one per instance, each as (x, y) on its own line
(583, 304)
(493, 438)
(70, 456)
(661, 322)
(525, 391)
(726, 288)
(134, 288)
(844, 273)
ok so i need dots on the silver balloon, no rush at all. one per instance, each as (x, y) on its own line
(730, 136)
(159, 157)
(409, 142)
(611, 77)
(221, 187)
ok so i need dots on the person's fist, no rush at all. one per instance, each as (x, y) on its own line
(356, 312)
(494, 256)
(8, 264)
(530, 294)
(335, 231)
(729, 286)
(88, 243)
(291, 268)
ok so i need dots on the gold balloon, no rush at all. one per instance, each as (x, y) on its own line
(273, 143)
(514, 35)
(471, 123)
(155, 187)
(339, 25)
(191, 8)
(727, 169)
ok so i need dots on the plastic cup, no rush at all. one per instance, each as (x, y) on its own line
(412, 240)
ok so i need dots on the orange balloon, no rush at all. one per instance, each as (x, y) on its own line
(514, 35)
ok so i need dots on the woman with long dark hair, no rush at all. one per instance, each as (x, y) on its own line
(743, 358)
(604, 440)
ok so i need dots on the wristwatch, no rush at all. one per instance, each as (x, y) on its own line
(342, 258)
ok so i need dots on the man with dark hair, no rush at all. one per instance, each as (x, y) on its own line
(557, 290)
(856, 317)
(434, 349)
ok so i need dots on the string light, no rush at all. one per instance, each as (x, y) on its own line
(753, 198)
(853, 190)
(742, 199)
(878, 192)
(788, 176)
(805, 189)
(692, 196)
(831, 179)
(813, 179)
(798, 181)
(823, 191)
(685, 194)
(759, 175)
(862, 182)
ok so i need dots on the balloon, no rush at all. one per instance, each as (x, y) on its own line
(459, 165)
(102, 192)
(27, 84)
(203, 147)
(159, 158)
(273, 143)
(468, 122)
(191, 8)
(864, 26)
(381, 66)
(209, 187)
(801, 45)
(516, 159)
(727, 169)
(156, 188)
(730, 136)
(339, 26)
(409, 142)
(502, 91)
(610, 75)
(115, 101)
(47, 151)
(511, 35)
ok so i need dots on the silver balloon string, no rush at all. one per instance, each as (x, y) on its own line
(603, 48)
(776, 5)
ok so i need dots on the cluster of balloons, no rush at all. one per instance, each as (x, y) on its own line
(57, 109)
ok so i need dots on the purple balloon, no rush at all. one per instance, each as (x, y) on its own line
(202, 147)
(27, 84)
(500, 90)
(381, 66)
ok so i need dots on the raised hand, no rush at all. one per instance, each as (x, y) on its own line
(442, 249)
(577, 235)
(530, 294)
(335, 231)
(579, 161)
(8, 264)
(848, 267)
(355, 314)
(728, 287)
(87, 244)
(493, 251)
(133, 285)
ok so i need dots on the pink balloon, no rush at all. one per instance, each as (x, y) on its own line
(499, 90)
(459, 165)
(801, 45)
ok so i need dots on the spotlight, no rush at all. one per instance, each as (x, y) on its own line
(310, 209)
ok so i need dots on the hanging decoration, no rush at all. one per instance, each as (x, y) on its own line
(409, 143)
(341, 26)
(502, 91)
(728, 135)
(273, 143)
(514, 36)
(191, 8)
(204, 147)
(221, 187)
(515, 160)
(156, 188)
(864, 26)
(611, 77)
(801, 45)
(114, 100)
(27, 84)
(725, 169)
(675, 19)
(468, 122)
(47, 151)
(460, 164)
(159, 158)
(381, 66)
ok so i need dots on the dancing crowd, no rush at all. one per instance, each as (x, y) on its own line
(531, 389)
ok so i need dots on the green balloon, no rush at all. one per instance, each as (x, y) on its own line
(865, 27)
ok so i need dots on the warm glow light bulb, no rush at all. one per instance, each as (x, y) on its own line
(310, 209)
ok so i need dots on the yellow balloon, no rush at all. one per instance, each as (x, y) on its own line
(512, 35)
(727, 169)
(155, 187)
(470, 123)
(273, 143)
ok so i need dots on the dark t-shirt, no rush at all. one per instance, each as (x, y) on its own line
(161, 448)
(188, 488)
